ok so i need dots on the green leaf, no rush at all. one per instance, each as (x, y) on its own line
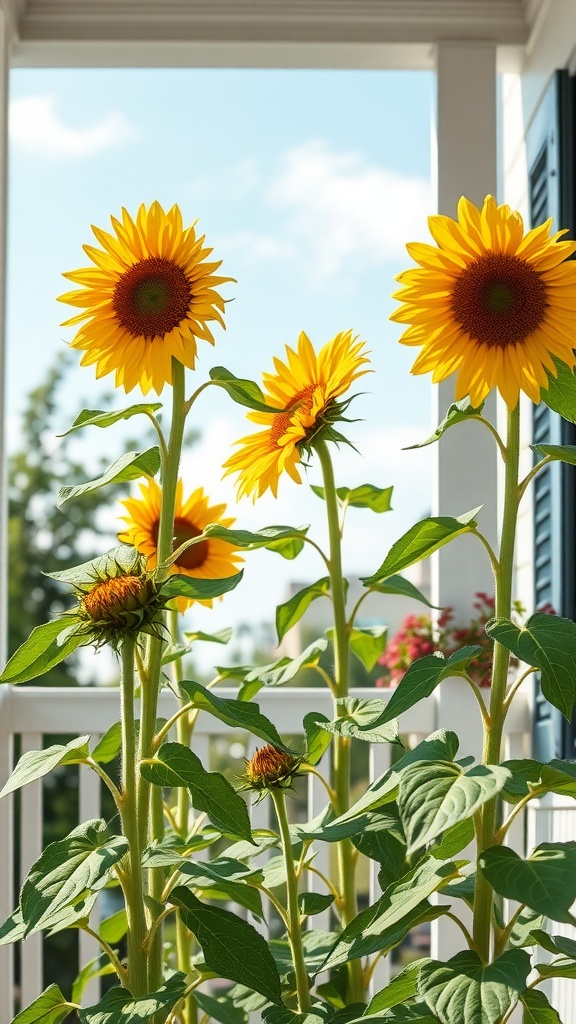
(109, 746)
(273, 1015)
(317, 739)
(130, 466)
(561, 968)
(288, 547)
(401, 988)
(310, 903)
(198, 589)
(50, 1008)
(458, 412)
(114, 928)
(537, 1009)
(118, 1006)
(288, 614)
(219, 1008)
(547, 642)
(560, 396)
(423, 676)
(243, 392)
(222, 637)
(556, 943)
(421, 541)
(97, 968)
(545, 881)
(177, 765)
(401, 587)
(525, 928)
(377, 927)
(434, 795)
(40, 652)
(121, 559)
(377, 499)
(67, 870)
(36, 763)
(381, 838)
(286, 669)
(368, 644)
(100, 418)
(363, 720)
(465, 989)
(215, 885)
(534, 776)
(231, 947)
(238, 714)
(558, 452)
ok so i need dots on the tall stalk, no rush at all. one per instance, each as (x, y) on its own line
(341, 746)
(294, 929)
(504, 571)
(133, 885)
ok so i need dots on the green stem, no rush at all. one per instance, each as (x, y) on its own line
(133, 888)
(341, 757)
(294, 930)
(150, 813)
(483, 900)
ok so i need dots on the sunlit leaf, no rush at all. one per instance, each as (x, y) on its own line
(423, 676)
(363, 720)
(289, 613)
(401, 587)
(196, 588)
(40, 652)
(421, 541)
(458, 412)
(130, 466)
(237, 714)
(537, 1009)
(545, 881)
(118, 1006)
(36, 763)
(49, 1008)
(100, 418)
(465, 989)
(547, 642)
(243, 392)
(560, 395)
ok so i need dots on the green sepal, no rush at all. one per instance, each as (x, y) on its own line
(100, 418)
(243, 392)
(119, 561)
(40, 652)
(421, 541)
(548, 643)
(458, 412)
(176, 765)
(130, 466)
(231, 947)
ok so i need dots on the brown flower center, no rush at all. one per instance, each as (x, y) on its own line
(152, 297)
(282, 420)
(195, 555)
(111, 598)
(499, 300)
(268, 765)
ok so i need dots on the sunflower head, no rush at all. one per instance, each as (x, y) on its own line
(117, 597)
(490, 302)
(307, 387)
(270, 768)
(148, 296)
(208, 559)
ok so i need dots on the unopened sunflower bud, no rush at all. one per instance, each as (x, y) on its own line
(270, 768)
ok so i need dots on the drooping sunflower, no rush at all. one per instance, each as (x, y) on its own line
(148, 297)
(211, 559)
(306, 387)
(491, 303)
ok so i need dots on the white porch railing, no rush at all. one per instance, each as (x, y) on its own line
(33, 712)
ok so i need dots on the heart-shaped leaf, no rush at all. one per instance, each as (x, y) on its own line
(434, 795)
(547, 642)
(176, 765)
(232, 948)
(404, 986)
(423, 676)
(421, 541)
(465, 989)
(130, 466)
(368, 644)
(545, 881)
(363, 720)
(310, 903)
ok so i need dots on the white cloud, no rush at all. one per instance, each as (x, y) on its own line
(36, 126)
(345, 210)
(230, 183)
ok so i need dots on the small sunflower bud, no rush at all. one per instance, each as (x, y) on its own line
(113, 600)
(270, 768)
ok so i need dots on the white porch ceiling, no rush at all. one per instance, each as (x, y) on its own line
(264, 32)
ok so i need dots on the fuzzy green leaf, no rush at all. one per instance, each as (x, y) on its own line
(37, 763)
(119, 560)
(424, 675)
(40, 652)
(547, 642)
(243, 392)
(401, 988)
(317, 739)
(527, 776)
(434, 795)
(465, 989)
(545, 881)
(130, 466)
(49, 1008)
(100, 418)
(219, 1008)
(421, 541)
(238, 714)
(368, 644)
(114, 928)
(560, 395)
(537, 1009)
(363, 720)
(177, 765)
(377, 499)
(458, 412)
(109, 746)
(119, 1007)
(289, 613)
(231, 947)
(198, 589)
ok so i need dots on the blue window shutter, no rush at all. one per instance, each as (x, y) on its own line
(552, 193)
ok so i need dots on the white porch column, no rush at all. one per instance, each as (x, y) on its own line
(466, 463)
(466, 469)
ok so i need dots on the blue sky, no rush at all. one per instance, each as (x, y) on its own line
(307, 184)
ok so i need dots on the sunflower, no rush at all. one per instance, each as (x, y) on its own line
(491, 303)
(211, 559)
(147, 298)
(306, 388)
